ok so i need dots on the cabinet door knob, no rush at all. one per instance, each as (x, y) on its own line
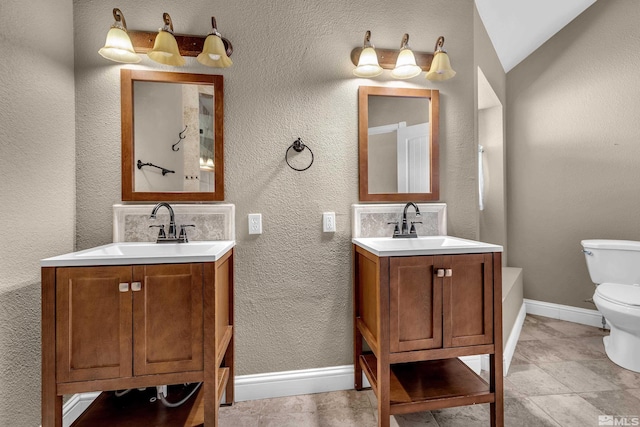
(123, 287)
(136, 286)
(448, 272)
(440, 272)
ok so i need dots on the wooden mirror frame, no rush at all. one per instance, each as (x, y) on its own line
(363, 143)
(127, 78)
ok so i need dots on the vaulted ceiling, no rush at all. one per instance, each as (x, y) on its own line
(519, 27)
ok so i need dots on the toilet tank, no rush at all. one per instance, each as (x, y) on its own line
(613, 261)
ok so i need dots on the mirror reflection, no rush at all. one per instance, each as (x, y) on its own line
(399, 153)
(174, 130)
(172, 136)
(398, 140)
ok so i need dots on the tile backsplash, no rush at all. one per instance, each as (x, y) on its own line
(371, 220)
(212, 222)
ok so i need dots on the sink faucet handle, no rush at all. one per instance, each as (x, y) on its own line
(183, 232)
(413, 227)
(396, 230)
(161, 233)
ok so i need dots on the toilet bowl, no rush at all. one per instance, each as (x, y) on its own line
(614, 265)
(620, 305)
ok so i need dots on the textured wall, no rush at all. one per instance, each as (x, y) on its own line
(37, 184)
(486, 58)
(574, 168)
(291, 78)
(490, 132)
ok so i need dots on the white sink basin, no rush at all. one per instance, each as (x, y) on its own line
(143, 253)
(427, 245)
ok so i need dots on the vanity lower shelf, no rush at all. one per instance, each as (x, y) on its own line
(135, 409)
(428, 385)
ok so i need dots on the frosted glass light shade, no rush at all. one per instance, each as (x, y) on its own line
(165, 50)
(368, 64)
(440, 67)
(118, 47)
(406, 67)
(214, 53)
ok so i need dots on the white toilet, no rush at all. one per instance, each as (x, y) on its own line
(614, 265)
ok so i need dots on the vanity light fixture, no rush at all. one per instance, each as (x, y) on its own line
(165, 49)
(118, 46)
(368, 60)
(214, 52)
(440, 66)
(405, 63)
(406, 66)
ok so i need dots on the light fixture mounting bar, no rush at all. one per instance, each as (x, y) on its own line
(387, 58)
(189, 45)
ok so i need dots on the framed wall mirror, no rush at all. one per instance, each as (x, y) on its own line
(172, 136)
(398, 144)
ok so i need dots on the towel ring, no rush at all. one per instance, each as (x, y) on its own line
(298, 146)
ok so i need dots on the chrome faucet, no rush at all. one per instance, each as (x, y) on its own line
(172, 222)
(405, 231)
(171, 237)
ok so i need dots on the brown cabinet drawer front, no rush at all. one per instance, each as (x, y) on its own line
(415, 305)
(94, 323)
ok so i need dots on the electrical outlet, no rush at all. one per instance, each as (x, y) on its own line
(255, 223)
(329, 222)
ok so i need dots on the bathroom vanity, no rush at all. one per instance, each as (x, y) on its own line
(135, 315)
(420, 304)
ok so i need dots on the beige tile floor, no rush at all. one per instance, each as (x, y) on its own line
(559, 376)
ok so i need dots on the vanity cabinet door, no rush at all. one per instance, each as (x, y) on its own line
(93, 323)
(468, 299)
(415, 309)
(167, 318)
(427, 311)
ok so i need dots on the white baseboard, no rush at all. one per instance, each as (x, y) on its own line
(292, 383)
(76, 406)
(512, 341)
(564, 312)
(475, 362)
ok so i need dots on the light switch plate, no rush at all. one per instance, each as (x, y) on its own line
(255, 223)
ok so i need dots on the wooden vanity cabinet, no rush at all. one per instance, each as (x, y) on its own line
(427, 311)
(100, 326)
(119, 327)
(418, 314)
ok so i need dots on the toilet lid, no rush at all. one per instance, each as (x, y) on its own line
(618, 293)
